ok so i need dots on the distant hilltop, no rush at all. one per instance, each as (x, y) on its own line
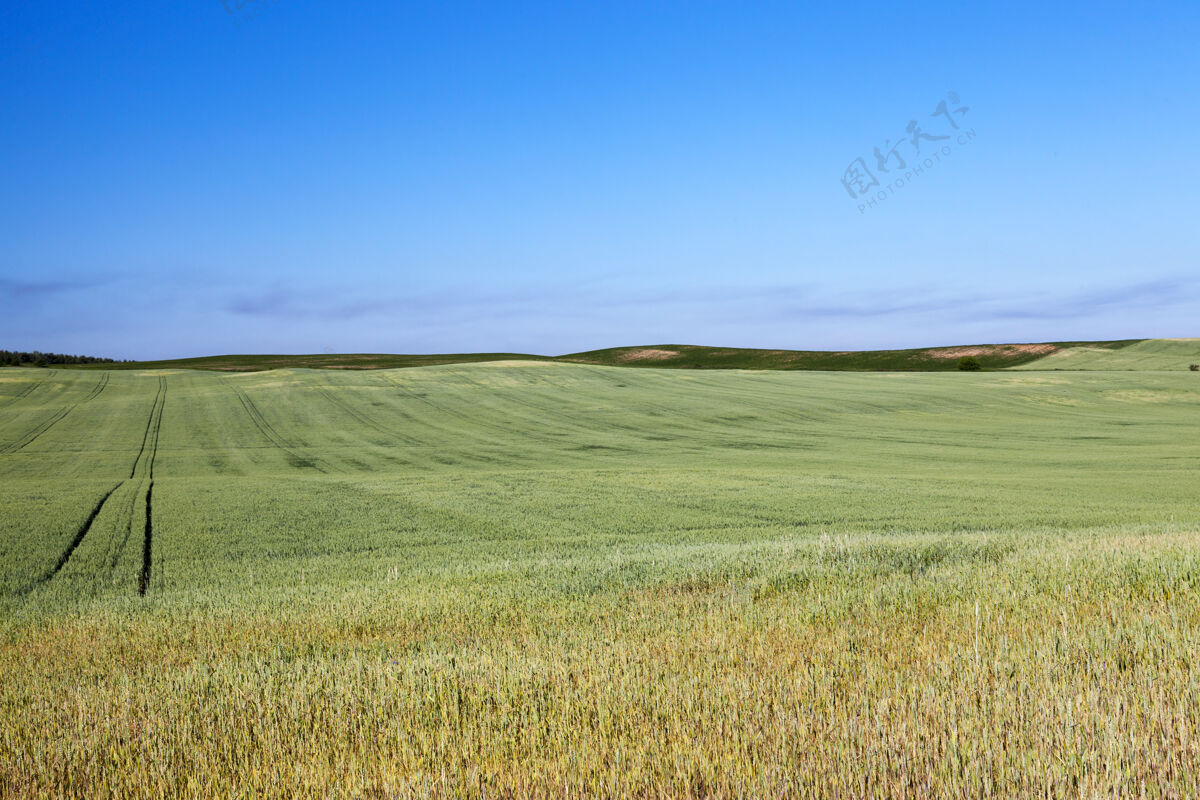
(1126, 354)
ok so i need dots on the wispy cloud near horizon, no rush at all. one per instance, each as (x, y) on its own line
(781, 301)
(1152, 294)
(39, 289)
(771, 316)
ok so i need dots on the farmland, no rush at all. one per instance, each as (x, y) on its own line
(547, 579)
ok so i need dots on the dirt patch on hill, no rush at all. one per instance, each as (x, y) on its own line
(992, 350)
(647, 354)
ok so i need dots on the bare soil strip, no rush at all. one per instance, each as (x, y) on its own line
(992, 350)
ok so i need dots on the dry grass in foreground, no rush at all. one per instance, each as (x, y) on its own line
(887, 667)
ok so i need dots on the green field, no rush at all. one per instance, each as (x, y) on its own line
(519, 579)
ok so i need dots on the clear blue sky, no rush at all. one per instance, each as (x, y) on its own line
(184, 179)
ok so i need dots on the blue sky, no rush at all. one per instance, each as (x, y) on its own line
(185, 179)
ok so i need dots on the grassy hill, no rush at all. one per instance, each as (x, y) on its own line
(926, 359)
(1147, 354)
(670, 356)
(258, 363)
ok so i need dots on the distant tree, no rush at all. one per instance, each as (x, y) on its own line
(16, 358)
(969, 364)
(41, 362)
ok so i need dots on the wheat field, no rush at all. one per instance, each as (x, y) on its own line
(545, 580)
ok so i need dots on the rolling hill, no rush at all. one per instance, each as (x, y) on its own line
(1139, 354)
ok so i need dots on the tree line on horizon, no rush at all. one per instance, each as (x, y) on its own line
(16, 358)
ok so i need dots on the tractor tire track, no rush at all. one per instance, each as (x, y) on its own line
(271, 435)
(148, 529)
(407, 393)
(75, 542)
(112, 556)
(364, 419)
(149, 438)
(150, 446)
(54, 419)
(97, 389)
(153, 423)
(28, 391)
(542, 416)
(144, 577)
